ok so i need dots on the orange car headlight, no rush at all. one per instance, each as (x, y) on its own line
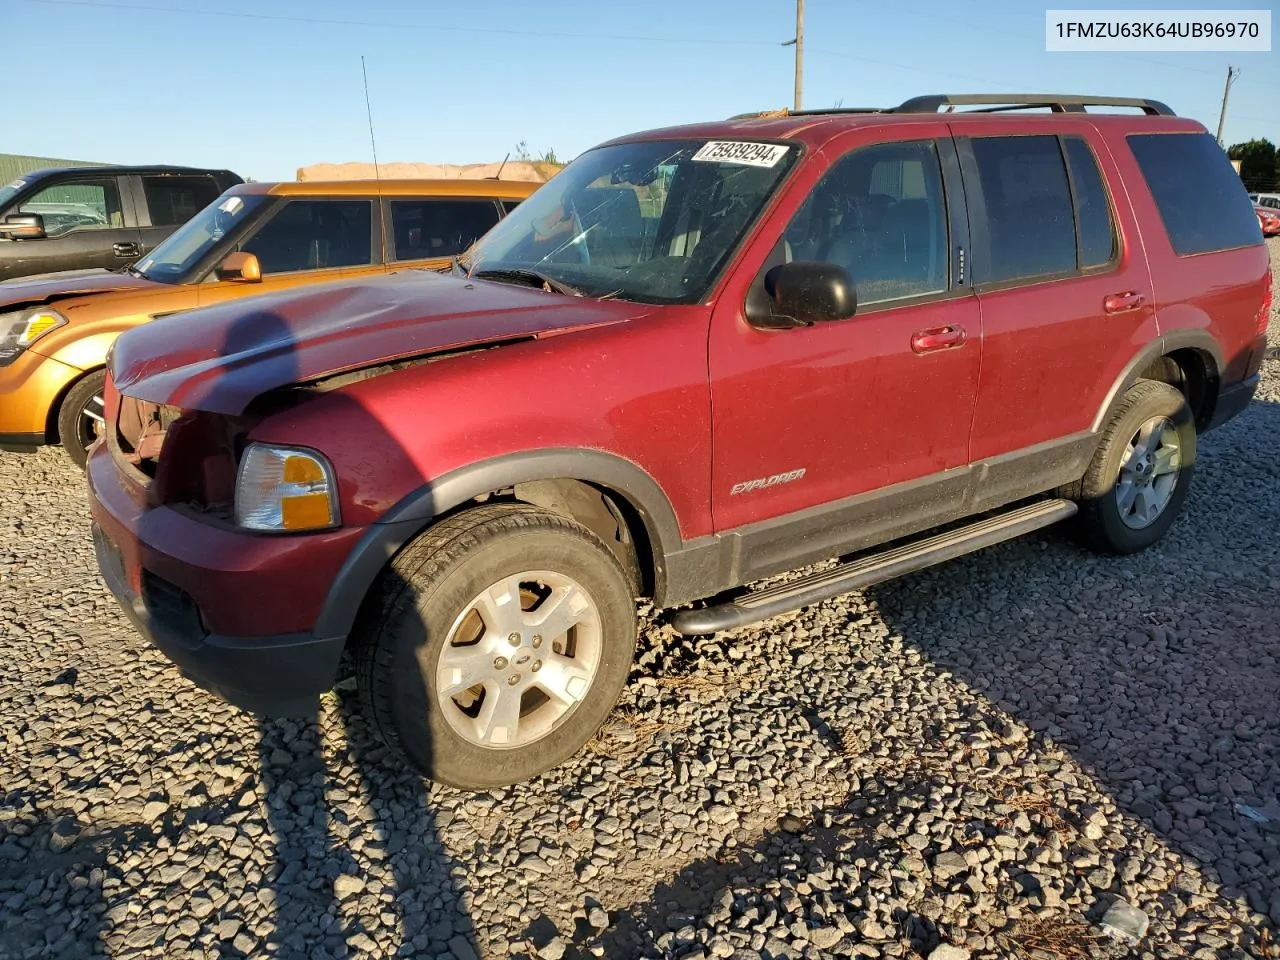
(285, 489)
(19, 330)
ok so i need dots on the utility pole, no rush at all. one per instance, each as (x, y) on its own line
(1232, 74)
(800, 51)
(798, 42)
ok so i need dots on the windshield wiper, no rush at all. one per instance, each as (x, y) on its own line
(535, 278)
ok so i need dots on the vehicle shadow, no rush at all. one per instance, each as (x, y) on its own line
(359, 868)
(79, 862)
(1160, 686)
(357, 865)
(1161, 682)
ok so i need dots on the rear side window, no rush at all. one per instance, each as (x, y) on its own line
(424, 229)
(1030, 224)
(175, 200)
(1202, 202)
(1097, 234)
(314, 235)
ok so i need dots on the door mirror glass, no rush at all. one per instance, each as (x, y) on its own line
(804, 292)
(243, 267)
(23, 226)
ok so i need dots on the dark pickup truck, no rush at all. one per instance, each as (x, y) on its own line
(73, 218)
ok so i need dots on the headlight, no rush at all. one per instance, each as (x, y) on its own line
(282, 489)
(21, 329)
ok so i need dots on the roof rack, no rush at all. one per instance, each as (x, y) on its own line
(987, 102)
(788, 112)
(998, 102)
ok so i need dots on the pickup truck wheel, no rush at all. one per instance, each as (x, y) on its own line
(80, 418)
(1141, 472)
(495, 645)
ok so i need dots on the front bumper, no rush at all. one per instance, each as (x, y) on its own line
(31, 385)
(272, 675)
(233, 610)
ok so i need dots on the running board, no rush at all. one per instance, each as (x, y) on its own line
(872, 569)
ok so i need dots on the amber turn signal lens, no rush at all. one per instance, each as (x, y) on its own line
(285, 490)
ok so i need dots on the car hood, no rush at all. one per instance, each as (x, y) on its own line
(220, 358)
(51, 287)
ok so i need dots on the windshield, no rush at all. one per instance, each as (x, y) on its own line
(10, 191)
(173, 259)
(654, 221)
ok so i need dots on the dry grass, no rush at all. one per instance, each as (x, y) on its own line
(702, 682)
(1057, 938)
(1006, 789)
(1266, 947)
(608, 744)
(1010, 792)
(853, 741)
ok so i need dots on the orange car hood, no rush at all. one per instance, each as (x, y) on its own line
(220, 358)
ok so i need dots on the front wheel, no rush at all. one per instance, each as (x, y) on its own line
(1141, 473)
(80, 418)
(495, 645)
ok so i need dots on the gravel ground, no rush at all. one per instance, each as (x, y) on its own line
(977, 761)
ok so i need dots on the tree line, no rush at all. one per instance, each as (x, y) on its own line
(1259, 165)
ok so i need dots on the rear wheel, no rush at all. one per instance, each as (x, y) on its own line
(495, 645)
(1141, 473)
(80, 418)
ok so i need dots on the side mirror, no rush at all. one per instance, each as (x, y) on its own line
(240, 266)
(804, 292)
(23, 226)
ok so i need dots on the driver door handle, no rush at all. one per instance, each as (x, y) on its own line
(937, 338)
(1121, 302)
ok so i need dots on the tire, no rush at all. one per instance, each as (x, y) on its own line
(432, 600)
(84, 397)
(1133, 492)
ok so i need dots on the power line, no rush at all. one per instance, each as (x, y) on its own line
(1023, 35)
(327, 21)
(545, 34)
(913, 67)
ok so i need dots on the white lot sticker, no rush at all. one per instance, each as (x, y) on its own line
(231, 205)
(739, 151)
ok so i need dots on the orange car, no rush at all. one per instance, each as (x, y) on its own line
(255, 238)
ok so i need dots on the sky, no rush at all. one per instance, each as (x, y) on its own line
(263, 87)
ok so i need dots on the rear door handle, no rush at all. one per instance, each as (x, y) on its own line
(125, 249)
(1121, 302)
(937, 338)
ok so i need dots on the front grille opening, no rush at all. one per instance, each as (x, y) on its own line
(140, 432)
(185, 458)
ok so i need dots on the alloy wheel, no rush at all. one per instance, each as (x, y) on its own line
(1148, 473)
(519, 659)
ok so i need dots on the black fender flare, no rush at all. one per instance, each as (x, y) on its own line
(415, 511)
(1190, 338)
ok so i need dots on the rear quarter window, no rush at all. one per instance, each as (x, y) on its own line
(1201, 200)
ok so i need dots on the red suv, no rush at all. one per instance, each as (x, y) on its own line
(696, 358)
